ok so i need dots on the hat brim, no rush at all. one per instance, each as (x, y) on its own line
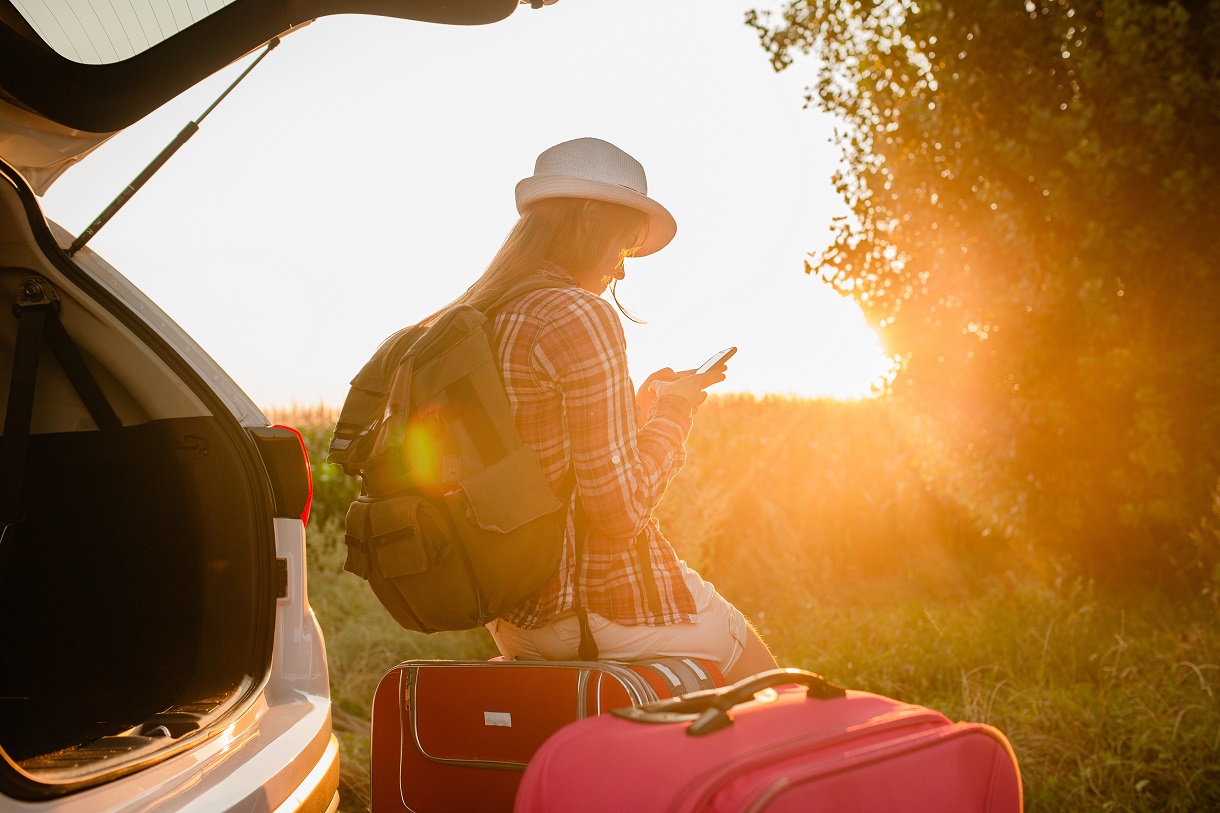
(661, 224)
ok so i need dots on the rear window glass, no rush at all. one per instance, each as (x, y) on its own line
(98, 32)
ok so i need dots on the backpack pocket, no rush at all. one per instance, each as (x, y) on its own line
(406, 549)
(393, 536)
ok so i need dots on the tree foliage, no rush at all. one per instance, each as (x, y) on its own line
(1034, 189)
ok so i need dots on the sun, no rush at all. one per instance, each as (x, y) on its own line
(794, 334)
(858, 367)
(811, 342)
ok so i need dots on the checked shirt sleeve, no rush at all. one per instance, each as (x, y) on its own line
(622, 469)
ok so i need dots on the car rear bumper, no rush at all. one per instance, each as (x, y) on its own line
(319, 793)
(281, 759)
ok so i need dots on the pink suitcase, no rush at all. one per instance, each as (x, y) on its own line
(457, 735)
(810, 748)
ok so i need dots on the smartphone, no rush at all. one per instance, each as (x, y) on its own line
(723, 355)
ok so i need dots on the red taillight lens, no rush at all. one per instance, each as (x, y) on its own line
(308, 472)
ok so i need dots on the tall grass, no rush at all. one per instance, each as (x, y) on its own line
(821, 521)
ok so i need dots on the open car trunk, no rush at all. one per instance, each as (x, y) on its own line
(137, 565)
(152, 559)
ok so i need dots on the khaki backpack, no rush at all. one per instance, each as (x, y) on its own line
(456, 523)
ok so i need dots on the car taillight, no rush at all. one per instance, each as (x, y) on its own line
(287, 464)
(308, 473)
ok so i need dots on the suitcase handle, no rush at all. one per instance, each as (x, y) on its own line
(708, 711)
(716, 715)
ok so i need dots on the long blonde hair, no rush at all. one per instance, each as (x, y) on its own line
(574, 233)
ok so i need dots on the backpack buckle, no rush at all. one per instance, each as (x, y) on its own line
(451, 469)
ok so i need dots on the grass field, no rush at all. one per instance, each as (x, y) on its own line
(824, 522)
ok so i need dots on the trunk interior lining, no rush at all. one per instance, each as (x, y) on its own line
(130, 588)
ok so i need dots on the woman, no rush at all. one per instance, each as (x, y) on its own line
(562, 352)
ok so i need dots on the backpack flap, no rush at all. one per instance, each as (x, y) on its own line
(451, 349)
(510, 493)
(511, 527)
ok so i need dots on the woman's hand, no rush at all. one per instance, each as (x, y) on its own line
(691, 385)
(648, 392)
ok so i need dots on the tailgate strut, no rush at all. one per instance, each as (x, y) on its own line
(183, 136)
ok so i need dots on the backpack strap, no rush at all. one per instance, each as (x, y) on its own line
(650, 578)
(588, 646)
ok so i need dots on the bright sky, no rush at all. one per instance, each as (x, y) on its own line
(362, 176)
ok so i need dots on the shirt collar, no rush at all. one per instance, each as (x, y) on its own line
(554, 270)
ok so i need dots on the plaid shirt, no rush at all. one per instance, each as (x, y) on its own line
(563, 356)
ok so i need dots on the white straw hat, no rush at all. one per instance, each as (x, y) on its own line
(597, 170)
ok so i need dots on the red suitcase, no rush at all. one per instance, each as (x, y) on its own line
(456, 735)
(810, 749)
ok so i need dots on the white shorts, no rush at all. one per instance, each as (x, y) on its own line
(717, 634)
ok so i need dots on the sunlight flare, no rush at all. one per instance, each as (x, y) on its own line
(818, 344)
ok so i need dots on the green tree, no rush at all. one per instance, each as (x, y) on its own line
(1034, 191)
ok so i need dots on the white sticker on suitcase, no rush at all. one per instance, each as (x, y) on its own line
(500, 718)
